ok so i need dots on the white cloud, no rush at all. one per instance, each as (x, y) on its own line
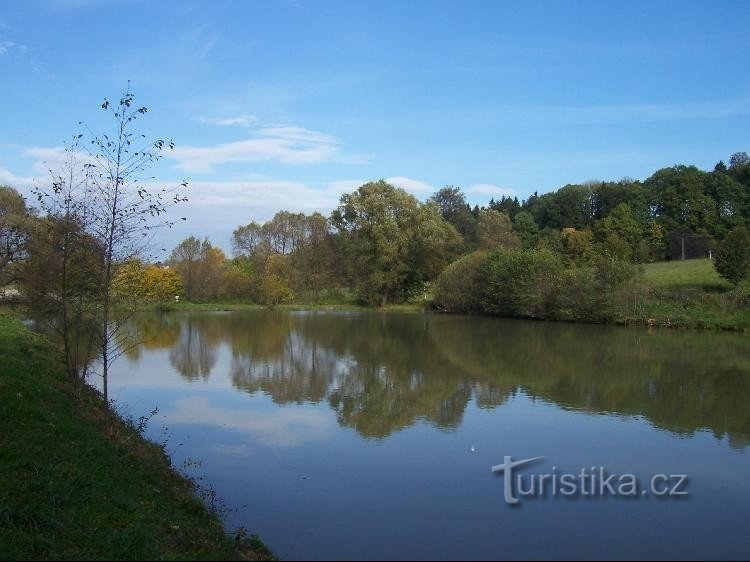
(489, 189)
(299, 134)
(46, 159)
(262, 197)
(411, 185)
(281, 144)
(239, 121)
(19, 182)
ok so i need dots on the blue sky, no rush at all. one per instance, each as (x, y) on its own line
(288, 104)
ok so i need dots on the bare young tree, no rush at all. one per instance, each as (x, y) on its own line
(114, 203)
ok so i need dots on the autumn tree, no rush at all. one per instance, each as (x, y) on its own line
(146, 282)
(200, 266)
(61, 278)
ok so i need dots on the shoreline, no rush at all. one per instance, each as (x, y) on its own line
(705, 319)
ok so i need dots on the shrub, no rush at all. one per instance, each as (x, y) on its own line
(457, 289)
(521, 283)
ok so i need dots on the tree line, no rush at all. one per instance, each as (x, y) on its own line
(381, 245)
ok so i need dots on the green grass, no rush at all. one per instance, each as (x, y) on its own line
(686, 294)
(79, 483)
(699, 273)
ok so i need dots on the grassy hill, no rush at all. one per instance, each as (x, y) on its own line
(687, 294)
(79, 483)
(698, 274)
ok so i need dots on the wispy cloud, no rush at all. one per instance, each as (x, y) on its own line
(264, 198)
(489, 190)
(238, 121)
(411, 185)
(280, 144)
(18, 182)
(49, 158)
(11, 47)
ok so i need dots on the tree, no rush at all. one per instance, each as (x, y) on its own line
(520, 283)
(526, 229)
(237, 281)
(15, 228)
(495, 229)
(458, 288)
(103, 191)
(313, 261)
(621, 223)
(655, 241)
(186, 260)
(578, 244)
(393, 243)
(199, 266)
(569, 206)
(128, 283)
(732, 259)
(738, 159)
(161, 284)
(245, 239)
(678, 198)
(61, 278)
(146, 282)
(452, 206)
(508, 205)
(303, 239)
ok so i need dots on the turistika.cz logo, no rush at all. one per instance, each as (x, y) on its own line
(589, 482)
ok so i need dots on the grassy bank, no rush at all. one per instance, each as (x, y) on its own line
(686, 294)
(79, 483)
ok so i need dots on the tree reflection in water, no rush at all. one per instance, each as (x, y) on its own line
(383, 372)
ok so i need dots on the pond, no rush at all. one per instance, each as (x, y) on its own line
(370, 435)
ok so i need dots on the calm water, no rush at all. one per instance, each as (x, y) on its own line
(368, 435)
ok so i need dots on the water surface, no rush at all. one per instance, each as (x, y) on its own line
(371, 435)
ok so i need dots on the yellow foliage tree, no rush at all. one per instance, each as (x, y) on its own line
(128, 282)
(161, 284)
(150, 283)
(273, 290)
